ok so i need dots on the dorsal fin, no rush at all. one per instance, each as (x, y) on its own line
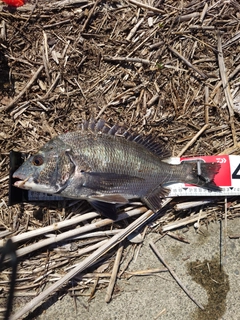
(148, 141)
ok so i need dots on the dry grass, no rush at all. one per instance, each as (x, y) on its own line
(166, 67)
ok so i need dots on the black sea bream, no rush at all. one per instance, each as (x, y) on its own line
(107, 166)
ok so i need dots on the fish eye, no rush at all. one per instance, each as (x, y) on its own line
(38, 160)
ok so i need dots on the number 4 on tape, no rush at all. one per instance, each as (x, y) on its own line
(235, 174)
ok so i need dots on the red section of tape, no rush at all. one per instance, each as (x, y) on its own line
(14, 3)
(223, 178)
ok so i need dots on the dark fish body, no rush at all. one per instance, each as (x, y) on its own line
(107, 166)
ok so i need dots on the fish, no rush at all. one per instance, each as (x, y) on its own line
(108, 166)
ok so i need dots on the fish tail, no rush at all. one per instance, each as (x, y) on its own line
(202, 174)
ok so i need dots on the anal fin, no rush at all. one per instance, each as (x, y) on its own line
(106, 204)
(155, 197)
(106, 209)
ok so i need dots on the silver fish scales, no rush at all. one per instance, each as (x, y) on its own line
(107, 166)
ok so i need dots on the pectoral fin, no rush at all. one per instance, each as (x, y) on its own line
(154, 198)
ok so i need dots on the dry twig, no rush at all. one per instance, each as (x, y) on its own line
(114, 273)
(160, 257)
(226, 89)
(72, 233)
(126, 59)
(188, 63)
(193, 140)
(146, 6)
(27, 87)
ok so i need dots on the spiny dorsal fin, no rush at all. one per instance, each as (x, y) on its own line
(148, 141)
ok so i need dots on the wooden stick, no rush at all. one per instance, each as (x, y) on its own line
(232, 40)
(72, 233)
(197, 27)
(53, 85)
(134, 29)
(191, 204)
(141, 273)
(173, 274)
(105, 233)
(193, 139)
(205, 9)
(159, 314)
(188, 63)
(96, 280)
(88, 249)
(83, 264)
(54, 227)
(128, 91)
(226, 88)
(231, 75)
(114, 273)
(183, 222)
(142, 42)
(126, 59)
(46, 55)
(224, 79)
(146, 6)
(187, 17)
(65, 3)
(3, 30)
(90, 14)
(29, 84)
(206, 96)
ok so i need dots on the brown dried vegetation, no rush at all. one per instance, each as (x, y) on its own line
(166, 67)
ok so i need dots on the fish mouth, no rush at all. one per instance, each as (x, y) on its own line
(21, 183)
(29, 184)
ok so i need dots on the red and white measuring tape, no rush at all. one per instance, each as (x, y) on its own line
(228, 178)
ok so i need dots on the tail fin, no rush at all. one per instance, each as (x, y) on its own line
(202, 174)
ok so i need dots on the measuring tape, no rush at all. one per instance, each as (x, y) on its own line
(228, 178)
